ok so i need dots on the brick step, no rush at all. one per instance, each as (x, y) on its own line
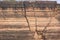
(25, 34)
(16, 35)
(52, 35)
(51, 39)
(13, 26)
(48, 30)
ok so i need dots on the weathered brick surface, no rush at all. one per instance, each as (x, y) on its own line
(14, 26)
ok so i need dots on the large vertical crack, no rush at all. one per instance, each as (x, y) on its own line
(24, 7)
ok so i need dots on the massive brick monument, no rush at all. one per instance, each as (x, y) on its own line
(26, 20)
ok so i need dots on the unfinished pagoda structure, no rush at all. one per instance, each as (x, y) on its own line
(20, 20)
